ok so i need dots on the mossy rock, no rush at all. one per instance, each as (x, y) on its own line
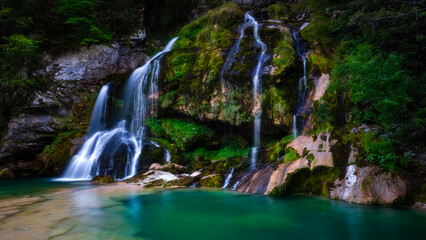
(318, 181)
(103, 179)
(182, 181)
(6, 173)
(214, 180)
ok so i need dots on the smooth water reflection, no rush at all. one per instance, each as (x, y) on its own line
(123, 212)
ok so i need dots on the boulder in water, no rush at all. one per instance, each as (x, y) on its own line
(103, 179)
(370, 185)
(6, 173)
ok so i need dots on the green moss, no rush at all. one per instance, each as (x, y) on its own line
(324, 64)
(290, 155)
(317, 181)
(57, 155)
(278, 149)
(284, 55)
(103, 179)
(318, 29)
(183, 133)
(278, 10)
(213, 29)
(213, 181)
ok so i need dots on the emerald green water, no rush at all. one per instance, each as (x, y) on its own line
(211, 214)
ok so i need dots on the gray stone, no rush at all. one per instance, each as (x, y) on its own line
(369, 185)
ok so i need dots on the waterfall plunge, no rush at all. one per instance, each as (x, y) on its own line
(140, 100)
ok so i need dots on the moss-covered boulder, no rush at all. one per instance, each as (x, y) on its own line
(6, 173)
(102, 179)
(213, 180)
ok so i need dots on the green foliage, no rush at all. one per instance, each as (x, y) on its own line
(184, 133)
(376, 84)
(380, 150)
(20, 51)
(19, 56)
(236, 148)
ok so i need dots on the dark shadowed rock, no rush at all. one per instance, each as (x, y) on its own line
(6, 174)
(26, 136)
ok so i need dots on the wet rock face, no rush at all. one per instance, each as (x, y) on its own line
(369, 185)
(26, 136)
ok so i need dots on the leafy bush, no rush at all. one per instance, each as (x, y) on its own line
(376, 84)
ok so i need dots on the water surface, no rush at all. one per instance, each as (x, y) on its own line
(125, 212)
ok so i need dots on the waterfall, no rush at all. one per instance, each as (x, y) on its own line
(126, 138)
(167, 155)
(235, 49)
(98, 118)
(257, 91)
(228, 178)
(303, 87)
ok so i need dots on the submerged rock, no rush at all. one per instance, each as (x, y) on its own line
(369, 185)
(6, 174)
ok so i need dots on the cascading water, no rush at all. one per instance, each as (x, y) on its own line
(98, 119)
(167, 156)
(228, 178)
(257, 91)
(298, 122)
(126, 138)
(235, 49)
(249, 21)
